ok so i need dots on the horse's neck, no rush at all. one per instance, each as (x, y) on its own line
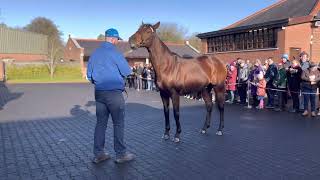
(160, 55)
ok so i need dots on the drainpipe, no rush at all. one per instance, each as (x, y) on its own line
(311, 42)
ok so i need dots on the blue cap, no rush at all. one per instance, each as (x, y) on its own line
(112, 33)
(285, 56)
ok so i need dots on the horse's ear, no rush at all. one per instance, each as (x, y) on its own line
(156, 26)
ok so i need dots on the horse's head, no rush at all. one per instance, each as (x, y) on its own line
(144, 36)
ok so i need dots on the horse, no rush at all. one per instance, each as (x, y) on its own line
(177, 76)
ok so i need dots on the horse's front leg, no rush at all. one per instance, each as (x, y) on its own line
(176, 105)
(165, 100)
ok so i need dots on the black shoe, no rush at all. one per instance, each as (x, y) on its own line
(125, 158)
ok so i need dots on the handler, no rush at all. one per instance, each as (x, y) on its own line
(107, 69)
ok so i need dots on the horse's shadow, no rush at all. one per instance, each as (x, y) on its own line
(6, 95)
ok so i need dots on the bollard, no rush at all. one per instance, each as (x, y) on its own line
(248, 94)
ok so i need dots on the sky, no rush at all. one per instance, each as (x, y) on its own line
(89, 18)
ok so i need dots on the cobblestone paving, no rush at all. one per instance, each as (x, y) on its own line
(46, 132)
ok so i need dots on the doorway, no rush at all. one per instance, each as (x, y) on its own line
(294, 53)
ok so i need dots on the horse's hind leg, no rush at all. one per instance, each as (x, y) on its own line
(220, 97)
(207, 97)
(165, 100)
(176, 106)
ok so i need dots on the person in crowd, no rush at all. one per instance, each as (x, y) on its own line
(243, 75)
(130, 78)
(236, 93)
(144, 76)
(310, 78)
(304, 61)
(253, 78)
(261, 90)
(134, 75)
(153, 78)
(281, 84)
(270, 76)
(249, 65)
(139, 77)
(305, 64)
(294, 80)
(231, 81)
(285, 61)
(149, 78)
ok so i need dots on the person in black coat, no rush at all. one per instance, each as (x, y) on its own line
(294, 81)
(270, 76)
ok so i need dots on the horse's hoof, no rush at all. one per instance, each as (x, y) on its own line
(165, 137)
(219, 133)
(203, 131)
(176, 140)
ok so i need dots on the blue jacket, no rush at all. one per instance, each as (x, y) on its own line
(107, 68)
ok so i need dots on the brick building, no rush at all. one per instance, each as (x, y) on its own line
(288, 26)
(21, 46)
(80, 50)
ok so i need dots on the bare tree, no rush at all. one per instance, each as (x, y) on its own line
(47, 27)
(172, 32)
(195, 41)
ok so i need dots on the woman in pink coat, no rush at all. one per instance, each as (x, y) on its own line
(231, 82)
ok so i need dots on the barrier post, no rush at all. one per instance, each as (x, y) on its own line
(248, 94)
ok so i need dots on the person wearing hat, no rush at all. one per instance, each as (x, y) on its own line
(107, 69)
(285, 61)
(310, 77)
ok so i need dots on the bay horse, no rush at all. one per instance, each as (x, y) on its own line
(177, 76)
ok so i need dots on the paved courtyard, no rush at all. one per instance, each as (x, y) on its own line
(46, 132)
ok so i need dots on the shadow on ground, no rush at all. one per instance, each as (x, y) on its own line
(256, 145)
(7, 96)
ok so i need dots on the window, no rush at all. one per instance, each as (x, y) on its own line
(253, 39)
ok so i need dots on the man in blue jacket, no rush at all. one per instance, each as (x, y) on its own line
(107, 69)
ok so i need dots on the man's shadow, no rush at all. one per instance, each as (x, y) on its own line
(79, 110)
(7, 96)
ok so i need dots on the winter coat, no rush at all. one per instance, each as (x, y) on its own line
(232, 78)
(305, 65)
(243, 74)
(253, 78)
(294, 78)
(281, 79)
(271, 74)
(307, 83)
(261, 87)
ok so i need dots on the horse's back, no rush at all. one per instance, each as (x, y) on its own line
(215, 67)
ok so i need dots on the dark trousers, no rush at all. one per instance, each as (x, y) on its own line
(255, 101)
(309, 95)
(270, 94)
(109, 102)
(282, 98)
(242, 90)
(295, 99)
